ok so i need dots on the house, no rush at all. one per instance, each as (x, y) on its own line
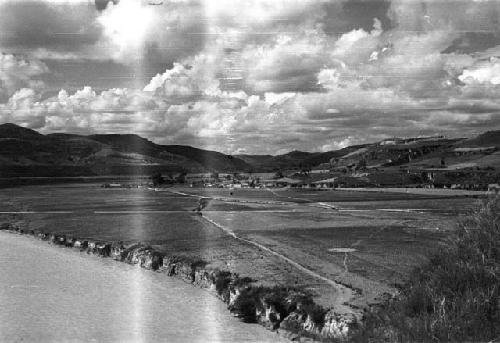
(494, 187)
(112, 185)
(473, 151)
(320, 171)
(283, 182)
(327, 183)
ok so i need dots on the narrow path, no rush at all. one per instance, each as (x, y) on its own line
(345, 294)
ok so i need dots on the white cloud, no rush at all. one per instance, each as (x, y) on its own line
(17, 72)
(293, 84)
(193, 79)
(483, 72)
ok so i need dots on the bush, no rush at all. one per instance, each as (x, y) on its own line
(277, 297)
(455, 296)
(247, 303)
(242, 281)
(197, 263)
(222, 280)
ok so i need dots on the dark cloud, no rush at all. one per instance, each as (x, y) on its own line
(342, 17)
(471, 42)
(102, 4)
(261, 76)
(33, 24)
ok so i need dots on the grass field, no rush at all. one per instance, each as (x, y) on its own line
(386, 234)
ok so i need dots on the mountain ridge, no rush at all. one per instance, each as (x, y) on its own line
(26, 152)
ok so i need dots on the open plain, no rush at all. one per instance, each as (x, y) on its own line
(347, 248)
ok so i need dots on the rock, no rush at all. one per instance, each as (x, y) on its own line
(103, 249)
(117, 250)
(57, 239)
(337, 326)
(268, 315)
(70, 242)
(169, 265)
(81, 244)
(43, 236)
(293, 322)
(234, 293)
(135, 254)
(151, 259)
(204, 278)
(185, 271)
(91, 247)
(61, 240)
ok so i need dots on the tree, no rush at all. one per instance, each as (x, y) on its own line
(278, 174)
(214, 176)
(157, 179)
(443, 163)
(181, 178)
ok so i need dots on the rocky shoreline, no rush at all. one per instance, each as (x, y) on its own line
(289, 311)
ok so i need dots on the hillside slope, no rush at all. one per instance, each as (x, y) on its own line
(25, 152)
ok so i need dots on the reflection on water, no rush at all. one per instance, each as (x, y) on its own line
(52, 294)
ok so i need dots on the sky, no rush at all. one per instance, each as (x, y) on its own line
(252, 76)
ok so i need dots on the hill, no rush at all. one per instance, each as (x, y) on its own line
(26, 152)
(294, 160)
(489, 138)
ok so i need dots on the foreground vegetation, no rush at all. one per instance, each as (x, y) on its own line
(455, 296)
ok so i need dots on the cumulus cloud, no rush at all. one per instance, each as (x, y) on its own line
(482, 72)
(272, 76)
(17, 72)
(192, 79)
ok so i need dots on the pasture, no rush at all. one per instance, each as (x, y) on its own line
(368, 241)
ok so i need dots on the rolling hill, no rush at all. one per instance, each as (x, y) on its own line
(26, 152)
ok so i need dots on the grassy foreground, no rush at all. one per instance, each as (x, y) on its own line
(455, 297)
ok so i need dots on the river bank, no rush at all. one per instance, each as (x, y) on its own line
(291, 312)
(60, 295)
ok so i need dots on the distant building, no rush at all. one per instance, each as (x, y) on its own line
(327, 183)
(283, 182)
(494, 187)
(112, 185)
(389, 142)
(473, 151)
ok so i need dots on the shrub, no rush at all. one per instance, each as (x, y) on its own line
(242, 281)
(455, 296)
(247, 303)
(197, 263)
(278, 298)
(222, 281)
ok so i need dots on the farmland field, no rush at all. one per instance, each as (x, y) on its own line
(365, 240)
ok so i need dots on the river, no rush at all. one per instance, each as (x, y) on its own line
(52, 294)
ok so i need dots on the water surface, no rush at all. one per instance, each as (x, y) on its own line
(53, 294)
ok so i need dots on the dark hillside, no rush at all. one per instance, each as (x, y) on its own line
(489, 138)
